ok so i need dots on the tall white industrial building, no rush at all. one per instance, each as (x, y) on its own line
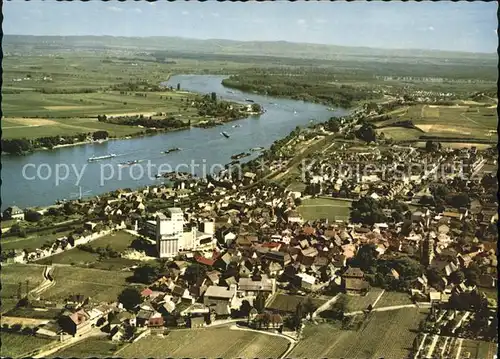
(171, 238)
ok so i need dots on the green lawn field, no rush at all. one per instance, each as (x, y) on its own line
(332, 209)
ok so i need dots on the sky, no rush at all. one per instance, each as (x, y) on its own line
(452, 26)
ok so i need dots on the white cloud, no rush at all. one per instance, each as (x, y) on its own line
(320, 21)
(137, 10)
(301, 21)
(430, 28)
(115, 9)
(215, 14)
(185, 12)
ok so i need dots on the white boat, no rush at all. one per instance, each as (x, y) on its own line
(98, 158)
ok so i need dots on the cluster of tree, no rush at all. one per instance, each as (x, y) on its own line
(106, 252)
(336, 310)
(276, 148)
(332, 125)
(146, 274)
(369, 211)
(442, 195)
(432, 146)
(19, 146)
(209, 105)
(17, 328)
(366, 133)
(136, 86)
(16, 146)
(379, 270)
(66, 91)
(130, 298)
(166, 123)
(307, 86)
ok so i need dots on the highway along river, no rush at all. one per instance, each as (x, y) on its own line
(201, 149)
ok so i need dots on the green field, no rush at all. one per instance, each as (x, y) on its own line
(478, 349)
(207, 343)
(382, 335)
(17, 345)
(88, 348)
(332, 209)
(99, 285)
(31, 242)
(288, 303)
(13, 274)
(389, 299)
(118, 241)
(359, 303)
(459, 121)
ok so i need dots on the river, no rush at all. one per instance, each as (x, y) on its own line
(202, 149)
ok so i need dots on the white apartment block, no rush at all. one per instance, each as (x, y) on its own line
(171, 238)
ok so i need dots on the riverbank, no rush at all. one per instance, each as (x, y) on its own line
(206, 147)
(121, 127)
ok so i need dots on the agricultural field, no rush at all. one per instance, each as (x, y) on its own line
(88, 348)
(119, 242)
(288, 303)
(208, 343)
(382, 335)
(18, 345)
(99, 285)
(332, 209)
(31, 242)
(456, 145)
(11, 275)
(359, 303)
(389, 299)
(478, 349)
(465, 121)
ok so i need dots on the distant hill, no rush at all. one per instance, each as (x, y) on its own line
(230, 47)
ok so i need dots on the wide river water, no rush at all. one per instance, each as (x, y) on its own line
(202, 149)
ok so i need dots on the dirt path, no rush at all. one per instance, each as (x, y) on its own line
(378, 298)
(325, 306)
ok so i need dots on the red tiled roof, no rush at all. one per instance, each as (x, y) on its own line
(271, 245)
(205, 261)
(308, 230)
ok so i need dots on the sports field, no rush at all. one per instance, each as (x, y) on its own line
(332, 209)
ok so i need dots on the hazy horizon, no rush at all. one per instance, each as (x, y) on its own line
(458, 27)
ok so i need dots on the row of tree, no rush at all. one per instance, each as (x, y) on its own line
(19, 146)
